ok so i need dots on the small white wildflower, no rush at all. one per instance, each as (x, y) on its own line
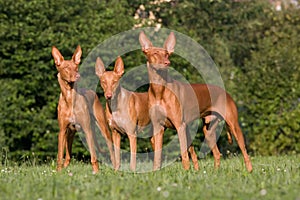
(158, 189)
(263, 192)
(278, 169)
(70, 174)
(204, 172)
(151, 16)
(136, 16)
(166, 194)
(142, 7)
(157, 27)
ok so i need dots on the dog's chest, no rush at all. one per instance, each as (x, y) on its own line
(119, 121)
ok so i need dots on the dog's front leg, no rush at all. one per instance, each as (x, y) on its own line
(157, 114)
(69, 137)
(61, 148)
(108, 138)
(117, 145)
(133, 149)
(90, 141)
(84, 119)
(181, 130)
(158, 134)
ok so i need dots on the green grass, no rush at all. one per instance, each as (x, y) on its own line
(272, 178)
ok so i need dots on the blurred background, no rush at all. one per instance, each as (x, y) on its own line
(255, 45)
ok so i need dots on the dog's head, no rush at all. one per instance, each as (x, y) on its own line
(68, 69)
(109, 80)
(157, 57)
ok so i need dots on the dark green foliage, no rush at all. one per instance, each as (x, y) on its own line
(271, 85)
(257, 52)
(28, 84)
(255, 48)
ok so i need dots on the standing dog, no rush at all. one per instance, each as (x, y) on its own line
(77, 110)
(125, 110)
(170, 102)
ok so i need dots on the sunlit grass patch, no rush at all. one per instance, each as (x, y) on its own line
(272, 178)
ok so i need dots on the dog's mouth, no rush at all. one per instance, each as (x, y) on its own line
(108, 96)
(74, 79)
(71, 79)
(160, 67)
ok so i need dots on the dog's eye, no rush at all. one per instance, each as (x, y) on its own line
(114, 82)
(66, 67)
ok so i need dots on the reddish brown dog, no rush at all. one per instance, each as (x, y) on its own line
(125, 110)
(77, 109)
(177, 103)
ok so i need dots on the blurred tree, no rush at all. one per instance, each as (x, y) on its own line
(269, 87)
(28, 84)
(255, 48)
(242, 38)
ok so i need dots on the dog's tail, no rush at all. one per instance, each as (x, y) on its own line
(229, 136)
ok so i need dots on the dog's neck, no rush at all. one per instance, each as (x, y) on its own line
(158, 81)
(68, 90)
(158, 76)
(116, 97)
(65, 85)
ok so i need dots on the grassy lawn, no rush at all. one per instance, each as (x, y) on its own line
(272, 178)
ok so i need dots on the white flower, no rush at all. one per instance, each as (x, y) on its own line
(166, 194)
(263, 192)
(174, 185)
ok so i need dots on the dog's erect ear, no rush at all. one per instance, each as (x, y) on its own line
(58, 58)
(77, 55)
(99, 67)
(170, 43)
(144, 41)
(119, 66)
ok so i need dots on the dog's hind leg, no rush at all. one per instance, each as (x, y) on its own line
(191, 149)
(236, 131)
(209, 130)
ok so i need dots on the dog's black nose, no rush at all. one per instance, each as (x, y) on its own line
(108, 96)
